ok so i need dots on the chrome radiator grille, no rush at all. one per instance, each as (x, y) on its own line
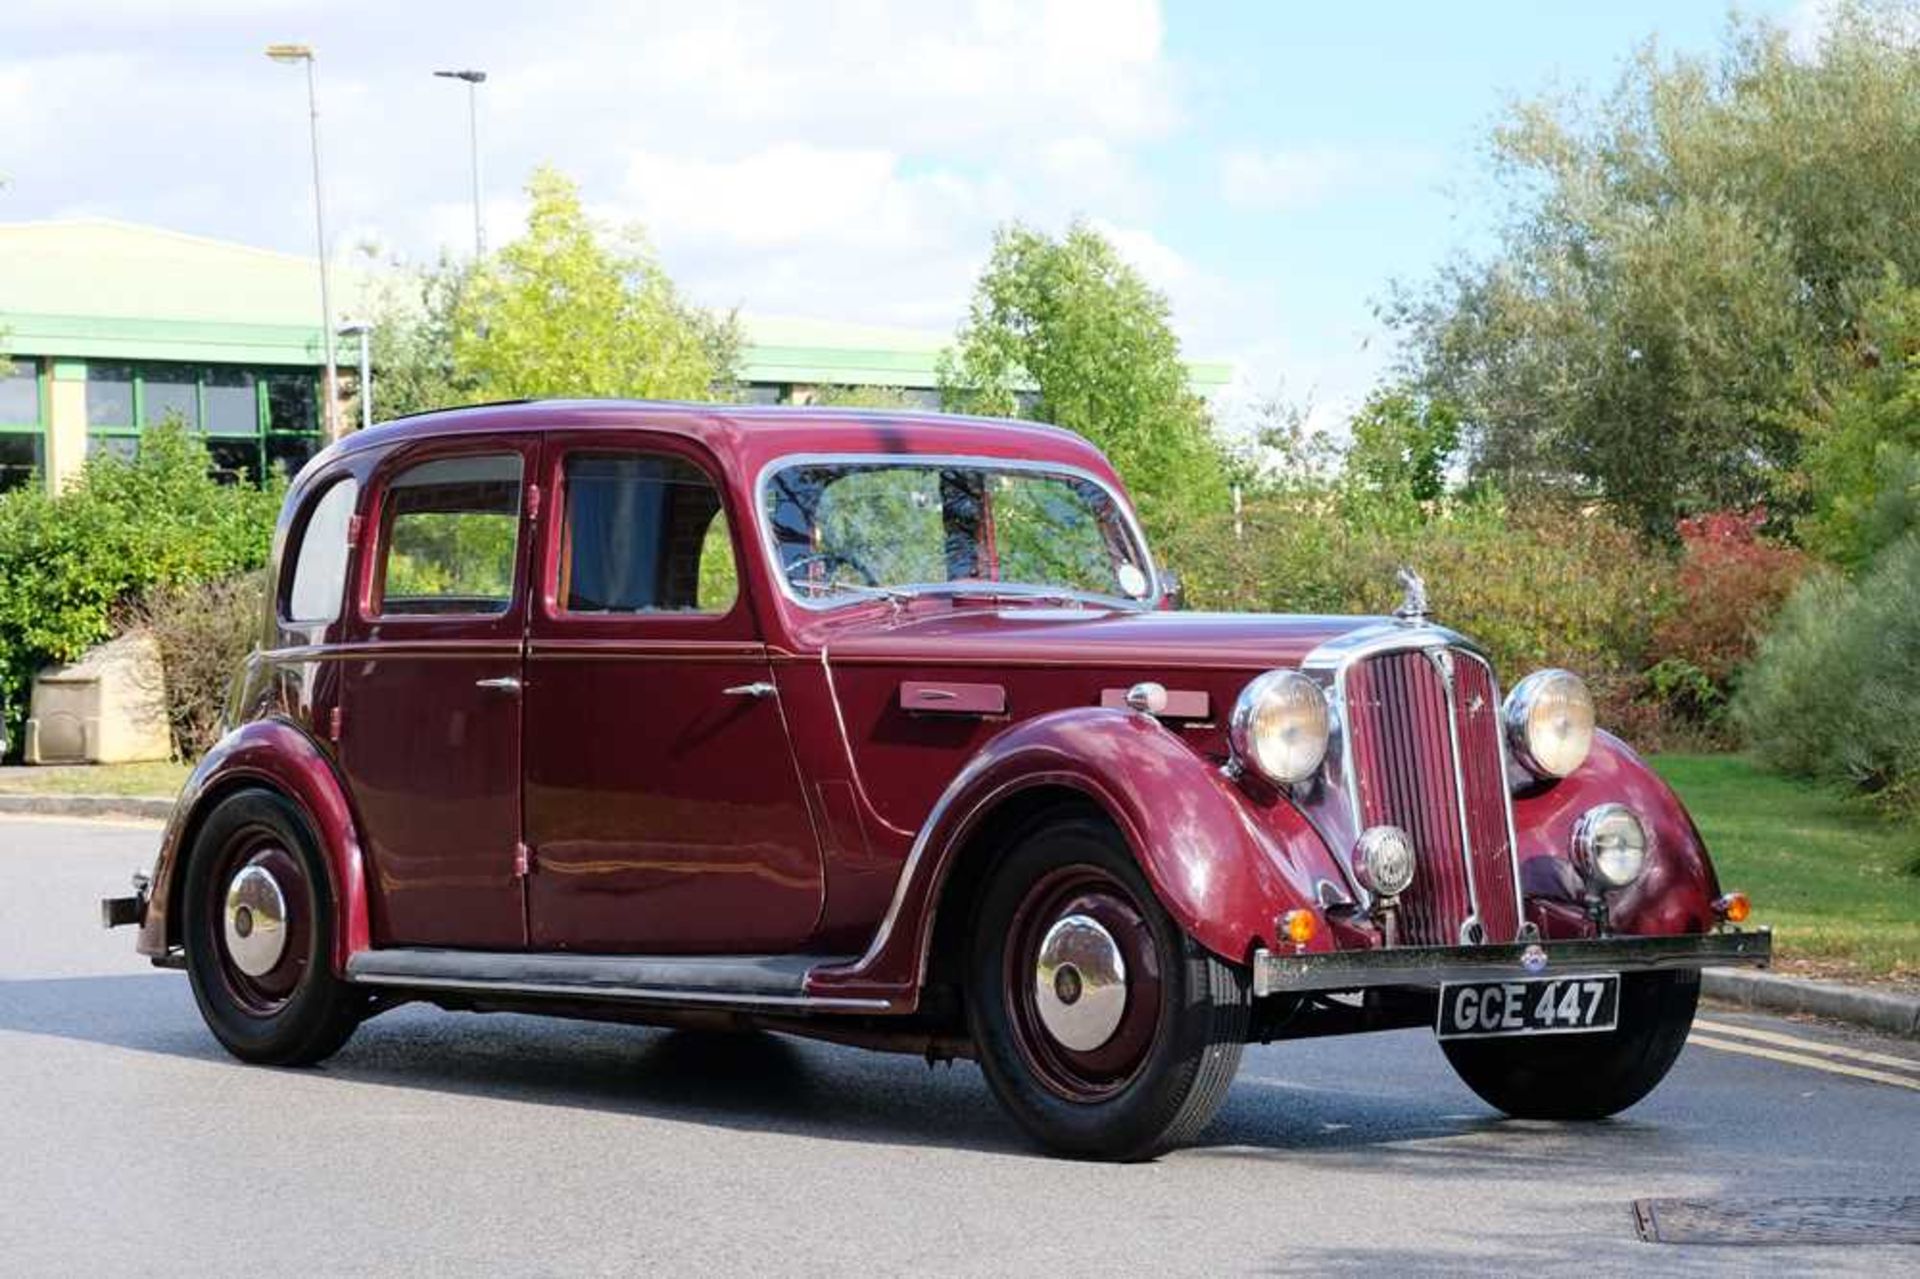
(1425, 733)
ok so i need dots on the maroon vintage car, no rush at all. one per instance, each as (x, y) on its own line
(876, 728)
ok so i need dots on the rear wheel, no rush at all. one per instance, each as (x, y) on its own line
(258, 924)
(1586, 1076)
(1104, 1029)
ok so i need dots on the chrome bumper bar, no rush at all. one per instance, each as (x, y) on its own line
(1429, 966)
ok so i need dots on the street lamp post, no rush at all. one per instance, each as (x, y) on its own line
(289, 54)
(474, 80)
(364, 331)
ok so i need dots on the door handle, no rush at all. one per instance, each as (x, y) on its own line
(759, 688)
(505, 684)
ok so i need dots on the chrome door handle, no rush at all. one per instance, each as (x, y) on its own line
(759, 688)
(505, 684)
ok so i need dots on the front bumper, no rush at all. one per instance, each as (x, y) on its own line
(1427, 967)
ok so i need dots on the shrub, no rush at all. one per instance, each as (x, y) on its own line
(1834, 693)
(67, 562)
(204, 631)
(1730, 583)
(1549, 586)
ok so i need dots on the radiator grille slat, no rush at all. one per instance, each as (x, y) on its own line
(1406, 775)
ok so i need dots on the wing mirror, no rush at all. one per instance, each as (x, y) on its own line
(1173, 591)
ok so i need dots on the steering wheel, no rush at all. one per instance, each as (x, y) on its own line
(831, 560)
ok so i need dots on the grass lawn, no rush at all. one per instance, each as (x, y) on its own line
(163, 779)
(1840, 885)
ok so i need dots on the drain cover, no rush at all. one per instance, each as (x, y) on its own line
(1795, 1221)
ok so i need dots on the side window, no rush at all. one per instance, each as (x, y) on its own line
(320, 567)
(643, 534)
(451, 537)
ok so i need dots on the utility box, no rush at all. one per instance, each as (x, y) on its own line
(110, 707)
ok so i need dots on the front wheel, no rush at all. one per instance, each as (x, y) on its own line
(1103, 1028)
(1586, 1076)
(258, 929)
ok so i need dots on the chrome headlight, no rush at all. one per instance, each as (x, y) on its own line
(1280, 726)
(1383, 860)
(1549, 719)
(1610, 846)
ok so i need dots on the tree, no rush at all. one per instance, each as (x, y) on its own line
(1402, 444)
(413, 343)
(1686, 261)
(1863, 457)
(1071, 321)
(571, 309)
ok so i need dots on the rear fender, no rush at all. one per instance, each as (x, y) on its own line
(1675, 893)
(1223, 867)
(276, 755)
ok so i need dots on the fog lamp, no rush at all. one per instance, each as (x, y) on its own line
(1610, 846)
(1299, 926)
(1383, 860)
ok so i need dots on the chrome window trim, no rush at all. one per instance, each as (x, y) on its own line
(935, 461)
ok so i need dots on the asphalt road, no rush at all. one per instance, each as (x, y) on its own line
(444, 1143)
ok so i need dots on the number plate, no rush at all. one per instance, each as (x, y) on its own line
(1534, 1006)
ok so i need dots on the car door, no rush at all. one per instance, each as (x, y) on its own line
(664, 811)
(430, 704)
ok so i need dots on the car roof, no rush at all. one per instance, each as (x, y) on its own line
(745, 437)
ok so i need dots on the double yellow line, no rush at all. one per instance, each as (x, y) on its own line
(1835, 1059)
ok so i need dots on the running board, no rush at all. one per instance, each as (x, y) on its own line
(755, 981)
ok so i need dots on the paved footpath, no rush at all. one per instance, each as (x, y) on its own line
(459, 1144)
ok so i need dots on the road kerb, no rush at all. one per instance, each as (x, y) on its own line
(151, 807)
(1895, 1014)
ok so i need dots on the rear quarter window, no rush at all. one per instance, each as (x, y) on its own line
(319, 580)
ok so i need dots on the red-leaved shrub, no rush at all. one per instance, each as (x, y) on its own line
(1730, 583)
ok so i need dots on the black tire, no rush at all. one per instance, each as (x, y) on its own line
(1165, 1069)
(297, 1013)
(1586, 1076)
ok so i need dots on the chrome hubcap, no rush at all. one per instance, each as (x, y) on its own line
(256, 921)
(1080, 983)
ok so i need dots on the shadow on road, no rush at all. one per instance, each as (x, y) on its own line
(773, 1083)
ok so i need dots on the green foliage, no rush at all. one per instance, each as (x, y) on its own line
(1863, 457)
(413, 343)
(67, 561)
(1071, 320)
(1403, 443)
(1538, 585)
(1834, 693)
(1683, 260)
(571, 310)
(460, 554)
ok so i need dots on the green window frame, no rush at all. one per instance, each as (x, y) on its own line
(11, 474)
(41, 373)
(271, 441)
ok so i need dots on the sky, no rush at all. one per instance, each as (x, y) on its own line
(1273, 166)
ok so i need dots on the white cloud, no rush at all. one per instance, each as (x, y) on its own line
(845, 159)
(1302, 177)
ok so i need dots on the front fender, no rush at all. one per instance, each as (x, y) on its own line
(1676, 892)
(1223, 868)
(279, 756)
